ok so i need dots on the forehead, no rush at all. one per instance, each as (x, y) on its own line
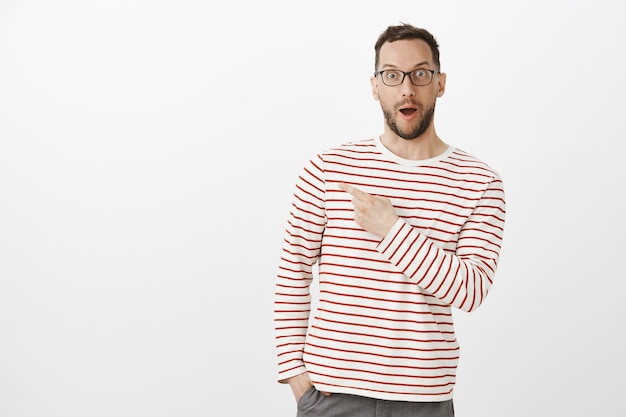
(405, 53)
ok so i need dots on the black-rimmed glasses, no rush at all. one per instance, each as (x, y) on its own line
(419, 77)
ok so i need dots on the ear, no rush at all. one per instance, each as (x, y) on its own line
(374, 83)
(441, 84)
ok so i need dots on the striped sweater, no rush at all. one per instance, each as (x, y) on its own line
(383, 323)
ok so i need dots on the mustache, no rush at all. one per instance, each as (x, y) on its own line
(408, 103)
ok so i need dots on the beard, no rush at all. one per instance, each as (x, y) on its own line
(418, 130)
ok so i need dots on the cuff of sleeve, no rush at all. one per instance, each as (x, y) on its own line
(284, 376)
(387, 243)
(402, 245)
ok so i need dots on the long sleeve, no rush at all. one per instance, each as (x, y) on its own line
(300, 252)
(382, 326)
(460, 279)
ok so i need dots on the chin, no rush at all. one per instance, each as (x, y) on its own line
(411, 135)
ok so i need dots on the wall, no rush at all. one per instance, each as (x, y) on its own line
(147, 156)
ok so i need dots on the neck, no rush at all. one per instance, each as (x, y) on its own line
(426, 146)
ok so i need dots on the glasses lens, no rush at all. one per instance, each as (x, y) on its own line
(421, 77)
(392, 77)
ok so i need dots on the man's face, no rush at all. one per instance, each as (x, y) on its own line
(408, 109)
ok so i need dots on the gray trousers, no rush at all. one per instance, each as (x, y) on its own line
(315, 404)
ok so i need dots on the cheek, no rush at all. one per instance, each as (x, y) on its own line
(385, 96)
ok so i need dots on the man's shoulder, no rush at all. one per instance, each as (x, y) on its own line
(360, 145)
(467, 160)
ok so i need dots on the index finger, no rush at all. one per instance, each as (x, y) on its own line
(355, 192)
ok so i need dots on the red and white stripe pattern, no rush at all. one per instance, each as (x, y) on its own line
(383, 324)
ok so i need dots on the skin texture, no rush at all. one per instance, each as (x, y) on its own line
(374, 214)
(409, 136)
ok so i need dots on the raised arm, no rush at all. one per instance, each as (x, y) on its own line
(461, 279)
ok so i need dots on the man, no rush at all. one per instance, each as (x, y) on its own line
(403, 227)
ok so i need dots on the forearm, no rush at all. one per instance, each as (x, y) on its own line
(459, 277)
(292, 304)
(452, 279)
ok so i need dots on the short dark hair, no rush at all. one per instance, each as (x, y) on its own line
(407, 31)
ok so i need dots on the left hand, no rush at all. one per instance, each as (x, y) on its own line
(373, 213)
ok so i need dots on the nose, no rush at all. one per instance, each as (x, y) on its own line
(408, 89)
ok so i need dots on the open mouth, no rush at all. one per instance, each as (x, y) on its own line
(408, 112)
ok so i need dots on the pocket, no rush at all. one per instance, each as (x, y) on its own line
(308, 399)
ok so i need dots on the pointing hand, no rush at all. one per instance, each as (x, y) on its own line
(373, 213)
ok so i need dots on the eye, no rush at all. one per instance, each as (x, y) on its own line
(392, 75)
(420, 73)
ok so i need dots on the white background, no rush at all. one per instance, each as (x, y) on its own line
(148, 151)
